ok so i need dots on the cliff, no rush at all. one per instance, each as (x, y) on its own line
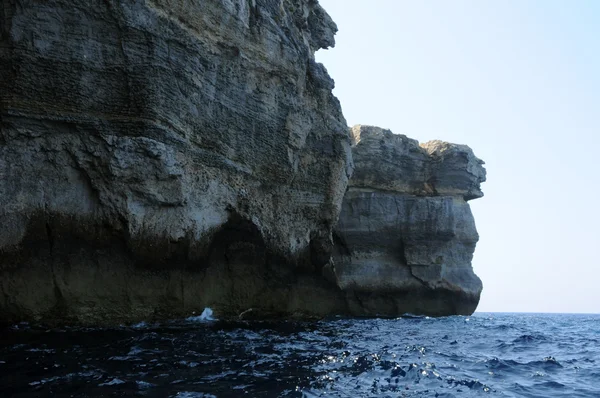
(406, 235)
(160, 156)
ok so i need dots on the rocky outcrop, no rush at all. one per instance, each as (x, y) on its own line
(157, 157)
(406, 235)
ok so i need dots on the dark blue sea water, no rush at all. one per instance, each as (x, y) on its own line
(501, 355)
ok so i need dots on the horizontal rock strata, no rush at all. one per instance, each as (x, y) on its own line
(406, 235)
(157, 157)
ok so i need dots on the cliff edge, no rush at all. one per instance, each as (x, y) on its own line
(406, 235)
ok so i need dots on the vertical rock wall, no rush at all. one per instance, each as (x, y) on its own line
(406, 235)
(160, 156)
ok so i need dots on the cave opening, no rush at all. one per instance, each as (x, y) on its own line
(239, 241)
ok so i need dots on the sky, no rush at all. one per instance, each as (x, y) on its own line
(519, 82)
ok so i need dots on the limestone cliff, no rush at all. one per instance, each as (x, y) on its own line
(160, 156)
(406, 235)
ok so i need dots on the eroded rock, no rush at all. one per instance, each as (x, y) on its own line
(157, 157)
(406, 235)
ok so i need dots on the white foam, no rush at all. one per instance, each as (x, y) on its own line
(144, 384)
(113, 382)
(193, 394)
(207, 315)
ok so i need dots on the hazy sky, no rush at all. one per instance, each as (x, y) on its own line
(519, 82)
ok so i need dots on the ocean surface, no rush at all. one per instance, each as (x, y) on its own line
(487, 354)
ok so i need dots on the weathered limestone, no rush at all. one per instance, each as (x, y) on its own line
(161, 156)
(158, 157)
(406, 235)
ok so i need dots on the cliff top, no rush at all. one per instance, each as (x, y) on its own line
(393, 162)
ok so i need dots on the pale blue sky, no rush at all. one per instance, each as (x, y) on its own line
(519, 82)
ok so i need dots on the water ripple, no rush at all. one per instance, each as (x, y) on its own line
(528, 355)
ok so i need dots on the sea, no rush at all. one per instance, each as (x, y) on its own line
(486, 354)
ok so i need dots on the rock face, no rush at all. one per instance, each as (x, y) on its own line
(157, 157)
(406, 235)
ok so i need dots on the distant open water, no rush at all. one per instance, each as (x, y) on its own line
(504, 355)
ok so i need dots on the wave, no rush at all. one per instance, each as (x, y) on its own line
(207, 315)
(201, 356)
